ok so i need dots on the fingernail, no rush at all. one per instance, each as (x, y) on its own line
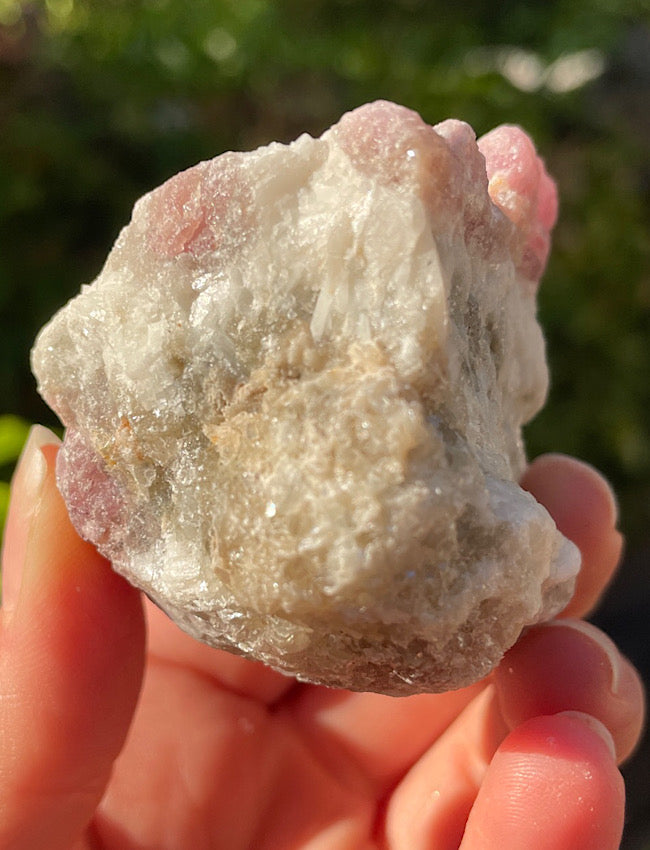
(26, 490)
(31, 468)
(595, 725)
(607, 647)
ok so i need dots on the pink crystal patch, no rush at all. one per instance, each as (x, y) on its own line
(521, 187)
(95, 500)
(452, 172)
(394, 145)
(199, 210)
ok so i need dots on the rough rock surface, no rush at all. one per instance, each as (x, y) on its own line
(294, 399)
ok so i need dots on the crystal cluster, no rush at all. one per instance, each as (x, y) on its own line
(294, 397)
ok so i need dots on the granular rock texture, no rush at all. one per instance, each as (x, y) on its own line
(294, 399)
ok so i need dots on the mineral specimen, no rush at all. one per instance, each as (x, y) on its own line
(294, 399)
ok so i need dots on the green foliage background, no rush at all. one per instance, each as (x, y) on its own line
(101, 100)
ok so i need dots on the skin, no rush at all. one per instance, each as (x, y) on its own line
(118, 731)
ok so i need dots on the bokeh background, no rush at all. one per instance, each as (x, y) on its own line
(100, 100)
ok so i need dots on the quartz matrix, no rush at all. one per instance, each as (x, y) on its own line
(294, 398)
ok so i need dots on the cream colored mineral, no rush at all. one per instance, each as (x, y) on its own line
(294, 399)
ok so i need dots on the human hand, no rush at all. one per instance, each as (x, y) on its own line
(220, 752)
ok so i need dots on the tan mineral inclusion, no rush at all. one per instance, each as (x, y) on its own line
(294, 399)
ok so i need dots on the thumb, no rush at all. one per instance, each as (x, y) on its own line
(71, 662)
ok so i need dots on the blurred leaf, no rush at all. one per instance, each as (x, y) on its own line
(13, 433)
